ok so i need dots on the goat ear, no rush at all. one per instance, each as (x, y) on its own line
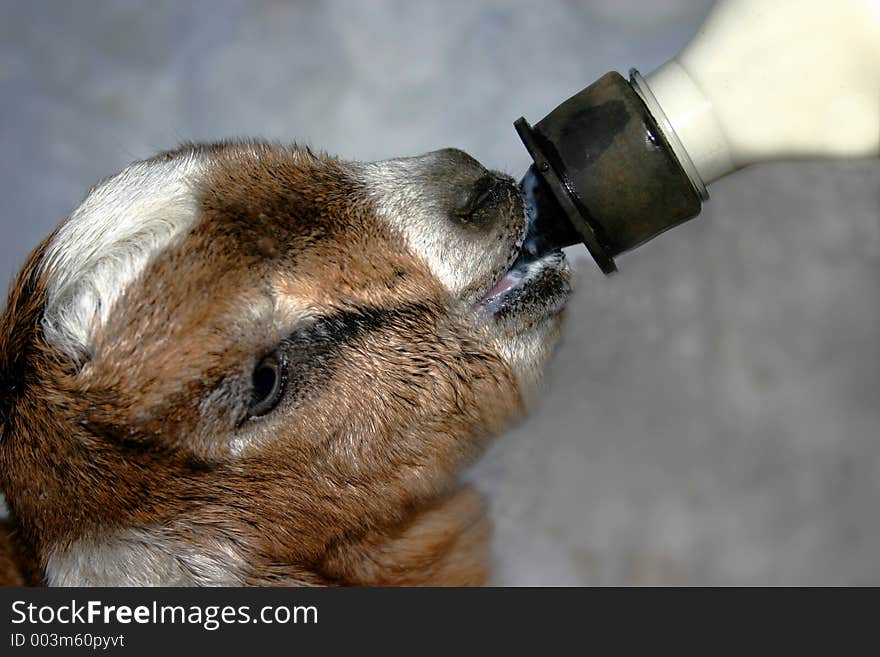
(20, 328)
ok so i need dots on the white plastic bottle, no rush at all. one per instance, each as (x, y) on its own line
(771, 80)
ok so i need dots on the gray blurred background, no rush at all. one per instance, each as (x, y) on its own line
(712, 415)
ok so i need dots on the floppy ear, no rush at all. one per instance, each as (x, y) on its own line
(445, 545)
(19, 325)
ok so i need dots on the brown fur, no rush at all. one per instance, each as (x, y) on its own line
(352, 481)
(11, 561)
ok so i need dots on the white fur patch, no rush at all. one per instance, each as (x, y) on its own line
(142, 557)
(405, 194)
(404, 205)
(107, 241)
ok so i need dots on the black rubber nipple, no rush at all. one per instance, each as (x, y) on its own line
(603, 173)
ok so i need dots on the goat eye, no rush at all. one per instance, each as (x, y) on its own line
(268, 384)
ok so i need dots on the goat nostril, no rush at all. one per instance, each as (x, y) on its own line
(476, 198)
(483, 197)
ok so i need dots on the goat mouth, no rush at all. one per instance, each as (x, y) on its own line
(537, 282)
(531, 274)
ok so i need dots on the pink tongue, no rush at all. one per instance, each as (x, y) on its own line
(501, 287)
